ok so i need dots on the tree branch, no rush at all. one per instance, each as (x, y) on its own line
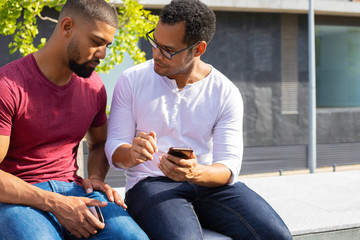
(47, 19)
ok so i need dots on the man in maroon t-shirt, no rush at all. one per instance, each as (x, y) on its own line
(49, 101)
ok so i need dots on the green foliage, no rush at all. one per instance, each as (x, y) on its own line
(135, 22)
(19, 18)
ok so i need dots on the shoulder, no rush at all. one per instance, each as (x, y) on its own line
(142, 69)
(222, 82)
(138, 76)
(16, 72)
(17, 67)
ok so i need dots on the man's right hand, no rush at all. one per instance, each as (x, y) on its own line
(143, 147)
(141, 150)
(74, 215)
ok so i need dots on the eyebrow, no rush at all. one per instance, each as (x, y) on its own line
(102, 40)
(167, 47)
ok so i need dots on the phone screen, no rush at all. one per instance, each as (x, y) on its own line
(184, 153)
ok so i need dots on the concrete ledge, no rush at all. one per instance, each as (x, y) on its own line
(315, 206)
(321, 206)
(347, 234)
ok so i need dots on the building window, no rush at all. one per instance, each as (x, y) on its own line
(337, 66)
(289, 64)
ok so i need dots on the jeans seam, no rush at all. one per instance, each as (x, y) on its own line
(197, 196)
(52, 185)
(248, 226)
(198, 222)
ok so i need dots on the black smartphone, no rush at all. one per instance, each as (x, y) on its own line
(184, 153)
(97, 212)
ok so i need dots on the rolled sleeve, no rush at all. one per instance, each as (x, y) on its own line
(228, 135)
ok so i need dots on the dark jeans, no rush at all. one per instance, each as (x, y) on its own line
(166, 209)
(19, 222)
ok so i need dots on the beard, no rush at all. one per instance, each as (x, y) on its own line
(80, 69)
(171, 70)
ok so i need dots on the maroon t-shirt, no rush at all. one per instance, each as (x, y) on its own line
(46, 122)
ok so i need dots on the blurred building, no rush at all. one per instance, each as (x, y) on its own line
(262, 46)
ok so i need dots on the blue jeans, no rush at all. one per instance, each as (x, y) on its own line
(19, 222)
(166, 209)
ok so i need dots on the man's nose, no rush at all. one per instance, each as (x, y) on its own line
(100, 52)
(157, 53)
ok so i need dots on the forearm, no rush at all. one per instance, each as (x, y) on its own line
(215, 175)
(14, 190)
(98, 165)
(122, 157)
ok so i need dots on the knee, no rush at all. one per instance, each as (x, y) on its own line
(129, 230)
(119, 225)
(278, 231)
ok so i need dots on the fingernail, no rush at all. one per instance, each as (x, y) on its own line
(89, 190)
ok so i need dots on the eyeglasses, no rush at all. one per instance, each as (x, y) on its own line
(163, 51)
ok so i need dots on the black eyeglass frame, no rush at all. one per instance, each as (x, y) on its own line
(149, 39)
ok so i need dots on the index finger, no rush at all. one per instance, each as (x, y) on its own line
(151, 138)
(153, 141)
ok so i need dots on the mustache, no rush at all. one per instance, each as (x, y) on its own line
(159, 63)
(96, 61)
(91, 61)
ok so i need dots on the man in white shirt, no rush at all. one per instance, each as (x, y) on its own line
(177, 100)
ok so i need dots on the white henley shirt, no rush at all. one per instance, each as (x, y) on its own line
(206, 116)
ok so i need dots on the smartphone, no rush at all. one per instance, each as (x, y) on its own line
(97, 212)
(184, 153)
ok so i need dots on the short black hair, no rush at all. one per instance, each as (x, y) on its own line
(91, 10)
(200, 20)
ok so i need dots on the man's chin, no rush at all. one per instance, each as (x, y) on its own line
(161, 73)
(85, 74)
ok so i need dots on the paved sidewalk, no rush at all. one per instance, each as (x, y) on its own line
(315, 206)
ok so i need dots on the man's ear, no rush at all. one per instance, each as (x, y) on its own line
(200, 49)
(67, 25)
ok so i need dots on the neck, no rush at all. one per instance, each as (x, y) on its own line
(194, 73)
(54, 68)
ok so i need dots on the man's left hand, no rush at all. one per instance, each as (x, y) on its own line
(91, 184)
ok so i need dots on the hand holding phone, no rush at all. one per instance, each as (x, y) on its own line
(97, 213)
(184, 153)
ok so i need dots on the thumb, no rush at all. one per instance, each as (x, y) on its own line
(87, 186)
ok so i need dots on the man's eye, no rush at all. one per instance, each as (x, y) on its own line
(170, 51)
(98, 43)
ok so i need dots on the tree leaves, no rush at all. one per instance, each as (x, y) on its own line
(19, 18)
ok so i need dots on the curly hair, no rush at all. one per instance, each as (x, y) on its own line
(199, 19)
(90, 10)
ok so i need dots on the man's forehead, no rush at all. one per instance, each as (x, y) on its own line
(167, 33)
